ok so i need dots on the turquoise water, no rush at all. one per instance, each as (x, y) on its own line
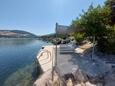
(16, 55)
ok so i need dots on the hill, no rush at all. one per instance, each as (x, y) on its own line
(16, 34)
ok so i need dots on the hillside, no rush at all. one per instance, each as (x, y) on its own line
(16, 34)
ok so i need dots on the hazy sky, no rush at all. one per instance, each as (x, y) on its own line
(40, 16)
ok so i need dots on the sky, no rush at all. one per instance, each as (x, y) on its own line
(39, 16)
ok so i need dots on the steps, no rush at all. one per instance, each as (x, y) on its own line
(66, 49)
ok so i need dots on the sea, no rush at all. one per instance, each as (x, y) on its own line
(17, 56)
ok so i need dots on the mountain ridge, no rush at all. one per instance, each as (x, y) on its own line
(16, 34)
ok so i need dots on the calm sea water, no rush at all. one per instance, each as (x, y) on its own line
(16, 54)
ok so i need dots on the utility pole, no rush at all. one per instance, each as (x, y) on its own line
(54, 64)
(56, 46)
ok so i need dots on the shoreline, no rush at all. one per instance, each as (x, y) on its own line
(45, 64)
(46, 75)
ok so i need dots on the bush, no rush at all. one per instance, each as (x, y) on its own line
(107, 44)
(79, 37)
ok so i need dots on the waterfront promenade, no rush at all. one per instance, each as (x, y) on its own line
(68, 62)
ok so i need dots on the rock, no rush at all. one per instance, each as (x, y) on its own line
(57, 81)
(81, 84)
(96, 79)
(89, 84)
(79, 50)
(110, 79)
(68, 76)
(99, 84)
(80, 76)
(69, 83)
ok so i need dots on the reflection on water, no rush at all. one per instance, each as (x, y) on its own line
(15, 54)
(15, 41)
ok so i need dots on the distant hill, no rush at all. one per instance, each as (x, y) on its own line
(16, 34)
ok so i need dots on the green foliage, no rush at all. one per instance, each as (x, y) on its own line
(109, 2)
(107, 43)
(62, 36)
(52, 37)
(79, 37)
(96, 21)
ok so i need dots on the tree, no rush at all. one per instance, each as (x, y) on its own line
(96, 23)
(79, 37)
(111, 4)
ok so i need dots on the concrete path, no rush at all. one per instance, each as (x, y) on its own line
(46, 57)
(69, 62)
(66, 63)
